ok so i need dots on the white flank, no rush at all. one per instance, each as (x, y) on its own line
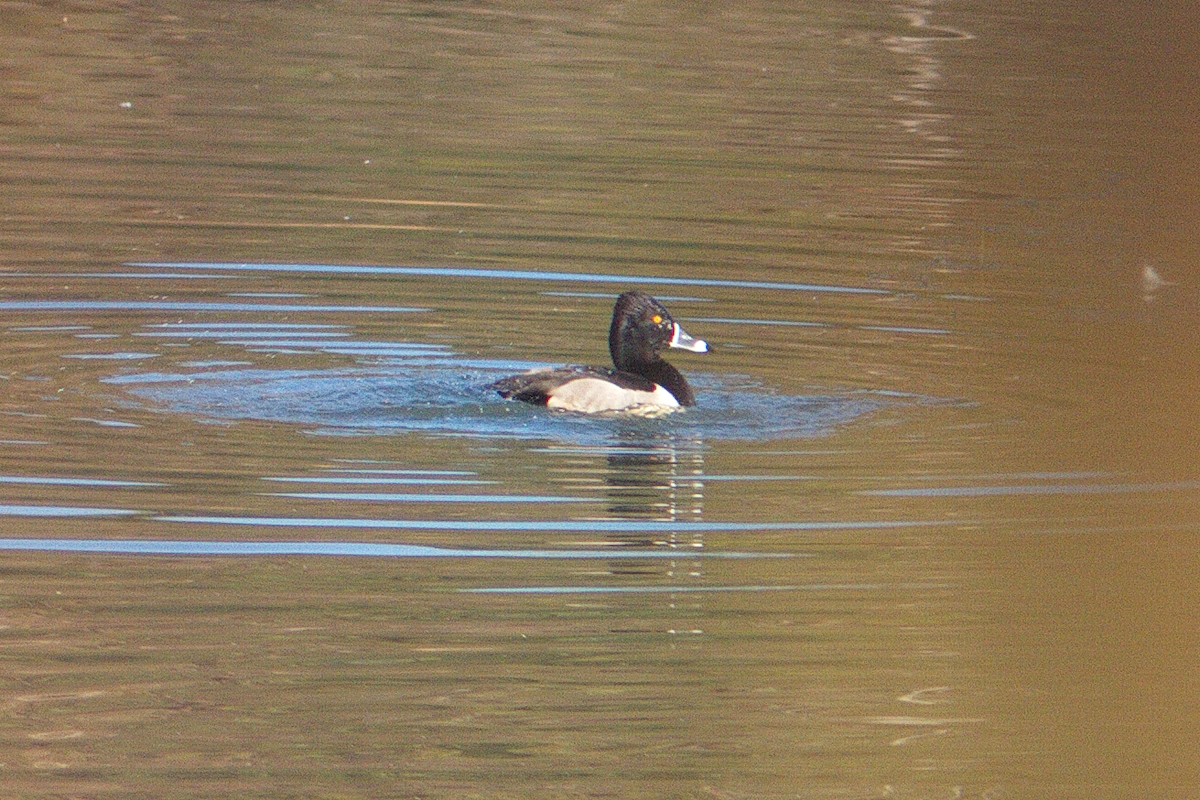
(593, 395)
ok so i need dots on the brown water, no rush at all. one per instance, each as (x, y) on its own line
(930, 532)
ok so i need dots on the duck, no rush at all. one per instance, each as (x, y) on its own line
(640, 383)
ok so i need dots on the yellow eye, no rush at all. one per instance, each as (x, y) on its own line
(657, 319)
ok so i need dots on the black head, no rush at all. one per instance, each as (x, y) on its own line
(642, 329)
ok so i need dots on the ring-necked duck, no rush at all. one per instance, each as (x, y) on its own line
(641, 383)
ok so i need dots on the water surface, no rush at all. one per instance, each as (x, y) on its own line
(927, 534)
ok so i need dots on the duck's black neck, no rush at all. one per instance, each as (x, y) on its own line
(665, 376)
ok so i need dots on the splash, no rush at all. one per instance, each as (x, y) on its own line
(448, 397)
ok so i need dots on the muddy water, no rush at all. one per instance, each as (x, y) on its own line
(928, 532)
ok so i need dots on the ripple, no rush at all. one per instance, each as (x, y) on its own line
(450, 397)
(63, 511)
(813, 587)
(254, 308)
(29, 480)
(110, 356)
(1036, 489)
(382, 480)
(157, 547)
(392, 497)
(551, 526)
(506, 274)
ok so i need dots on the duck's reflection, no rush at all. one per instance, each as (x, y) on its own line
(656, 480)
(650, 478)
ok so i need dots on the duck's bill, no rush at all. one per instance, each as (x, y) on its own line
(681, 340)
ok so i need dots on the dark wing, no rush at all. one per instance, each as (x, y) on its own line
(537, 385)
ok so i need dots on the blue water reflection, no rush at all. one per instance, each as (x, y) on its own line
(1009, 490)
(103, 483)
(11, 510)
(160, 547)
(634, 526)
(812, 587)
(449, 396)
(508, 274)
(406, 497)
(165, 305)
(415, 386)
